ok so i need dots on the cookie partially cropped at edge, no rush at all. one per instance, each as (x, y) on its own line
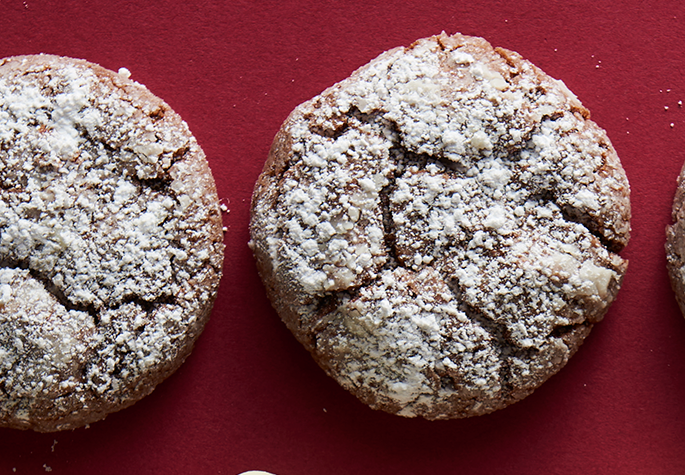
(440, 229)
(111, 243)
(675, 243)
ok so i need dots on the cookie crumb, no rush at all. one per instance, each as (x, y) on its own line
(124, 73)
(47, 467)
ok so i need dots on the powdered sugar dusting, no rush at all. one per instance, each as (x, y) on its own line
(104, 237)
(441, 224)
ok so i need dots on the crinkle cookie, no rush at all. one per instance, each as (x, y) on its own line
(440, 229)
(111, 243)
(675, 243)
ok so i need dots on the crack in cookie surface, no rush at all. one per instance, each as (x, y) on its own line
(472, 205)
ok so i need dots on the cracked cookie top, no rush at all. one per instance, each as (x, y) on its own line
(111, 243)
(439, 230)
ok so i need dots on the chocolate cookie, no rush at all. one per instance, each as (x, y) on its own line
(675, 243)
(111, 244)
(440, 229)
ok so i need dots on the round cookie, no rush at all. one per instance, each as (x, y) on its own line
(111, 243)
(440, 229)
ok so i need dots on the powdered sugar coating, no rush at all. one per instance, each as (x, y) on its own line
(439, 229)
(110, 242)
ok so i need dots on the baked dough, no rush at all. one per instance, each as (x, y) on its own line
(111, 244)
(439, 230)
(675, 243)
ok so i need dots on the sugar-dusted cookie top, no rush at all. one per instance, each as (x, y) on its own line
(111, 243)
(439, 230)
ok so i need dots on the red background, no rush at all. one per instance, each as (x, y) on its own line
(250, 397)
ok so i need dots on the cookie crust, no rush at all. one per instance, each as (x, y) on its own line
(111, 243)
(675, 243)
(440, 229)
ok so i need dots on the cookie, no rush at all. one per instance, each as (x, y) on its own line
(675, 243)
(111, 243)
(440, 229)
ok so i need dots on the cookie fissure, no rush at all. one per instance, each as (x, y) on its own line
(571, 214)
(160, 180)
(50, 287)
(56, 292)
(147, 305)
(574, 215)
(388, 227)
(563, 330)
(159, 184)
(500, 340)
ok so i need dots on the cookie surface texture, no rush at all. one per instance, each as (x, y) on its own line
(440, 229)
(111, 243)
(675, 243)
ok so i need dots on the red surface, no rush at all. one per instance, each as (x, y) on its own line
(250, 397)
